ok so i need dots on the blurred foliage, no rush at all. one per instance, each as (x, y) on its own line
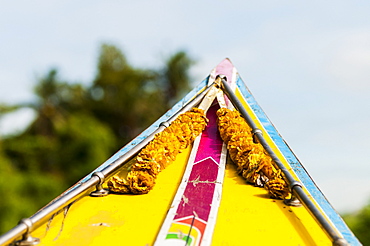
(78, 127)
(176, 77)
(4, 109)
(120, 94)
(359, 222)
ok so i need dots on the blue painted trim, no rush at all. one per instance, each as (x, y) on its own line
(296, 165)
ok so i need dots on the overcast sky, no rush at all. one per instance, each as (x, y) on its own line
(306, 62)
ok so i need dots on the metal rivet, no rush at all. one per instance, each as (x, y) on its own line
(257, 130)
(27, 238)
(293, 202)
(293, 184)
(165, 124)
(99, 192)
(254, 134)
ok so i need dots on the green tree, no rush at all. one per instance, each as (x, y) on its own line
(56, 100)
(23, 193)
(60, 146)
(176, 78)
(83, 144)
(129, 99)
(120, 94)
(359, 222)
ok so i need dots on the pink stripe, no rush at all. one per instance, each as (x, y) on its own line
(199, 191)
(196, 201)
(210, 143)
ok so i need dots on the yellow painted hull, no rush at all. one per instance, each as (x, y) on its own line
(247, 216)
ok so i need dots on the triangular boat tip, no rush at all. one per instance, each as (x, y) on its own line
(225, 67)
(226, 62)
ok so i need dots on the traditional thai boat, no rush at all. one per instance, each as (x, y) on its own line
(213, 170)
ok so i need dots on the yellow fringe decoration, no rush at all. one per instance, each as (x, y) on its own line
(252, 162)
(160, 152)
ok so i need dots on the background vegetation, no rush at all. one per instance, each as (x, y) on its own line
(77, 127)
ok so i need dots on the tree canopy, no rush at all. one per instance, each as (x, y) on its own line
(359, 222)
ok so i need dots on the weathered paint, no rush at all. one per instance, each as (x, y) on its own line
(116, 219)
(246, 216)
(193, 213)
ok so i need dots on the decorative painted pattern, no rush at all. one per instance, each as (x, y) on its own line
(192, 216)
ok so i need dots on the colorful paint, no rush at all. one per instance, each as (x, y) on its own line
(191, 218)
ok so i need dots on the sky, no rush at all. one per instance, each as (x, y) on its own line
(306, 62)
